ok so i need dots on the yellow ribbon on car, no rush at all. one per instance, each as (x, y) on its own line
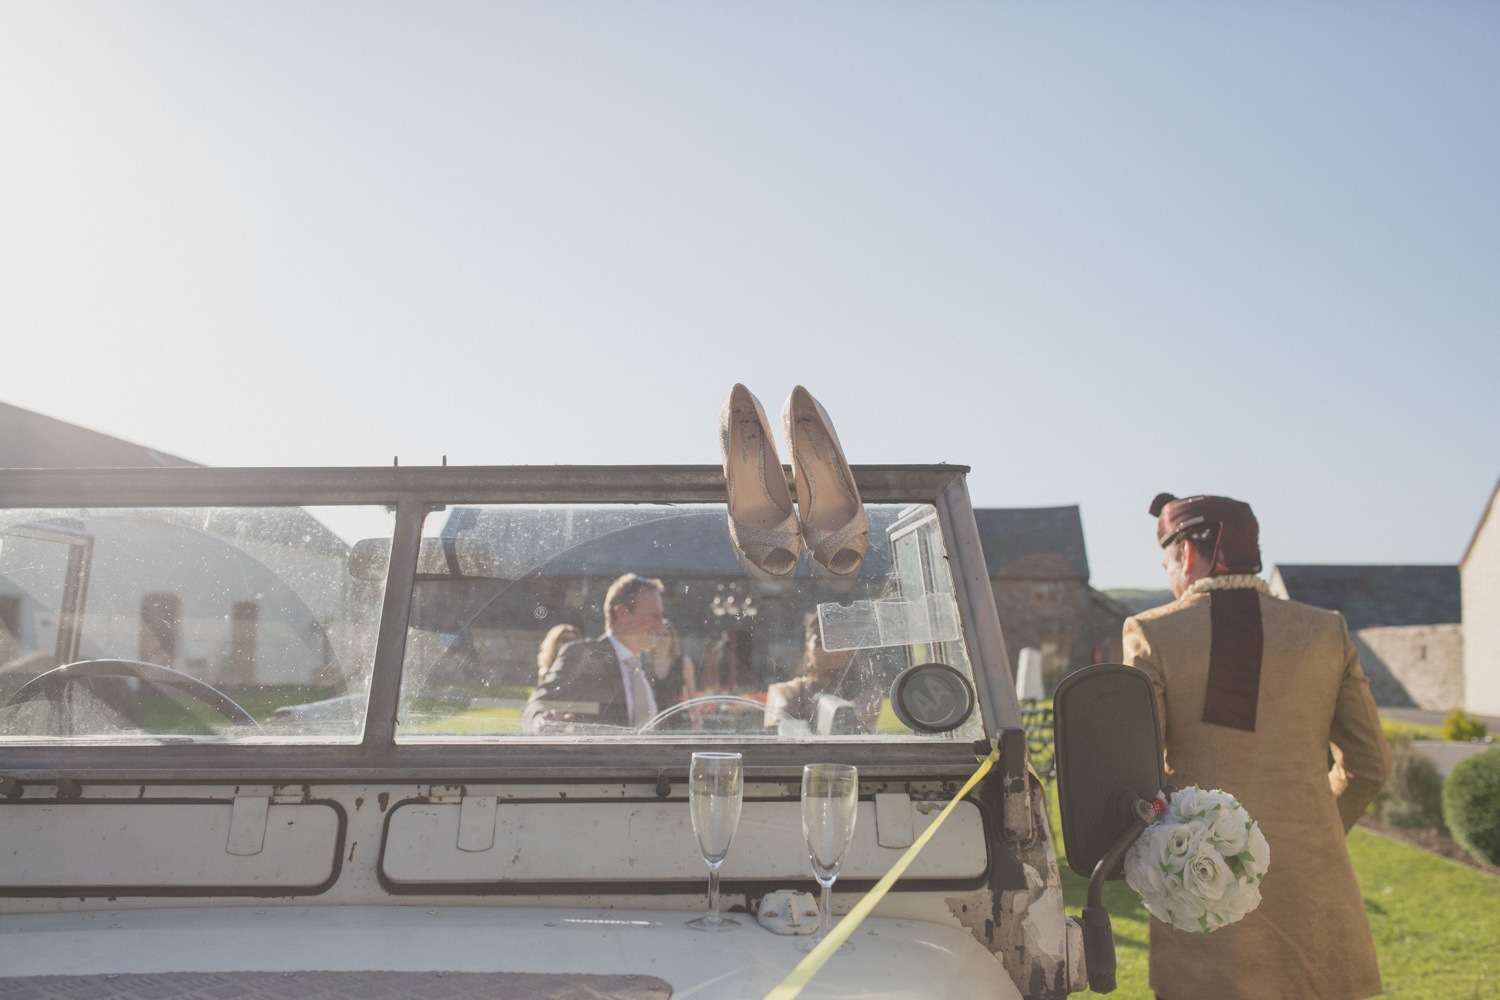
(799, 977)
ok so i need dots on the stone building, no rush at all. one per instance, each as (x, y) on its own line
(1404, 620)
(1480, 572)
(209, 597)
(1039, 571)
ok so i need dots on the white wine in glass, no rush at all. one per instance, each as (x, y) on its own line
(716, 787)
(830, 796)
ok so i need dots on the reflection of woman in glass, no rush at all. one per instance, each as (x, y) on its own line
(822, 672)
(557, 638)
(672, 673)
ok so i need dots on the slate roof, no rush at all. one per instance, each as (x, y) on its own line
(1378, 595)
(30, 440)
(664, 541)
(1033, 543)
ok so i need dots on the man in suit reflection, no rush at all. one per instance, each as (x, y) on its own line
(604, 681)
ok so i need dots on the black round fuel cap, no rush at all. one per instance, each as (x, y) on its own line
(932, 698)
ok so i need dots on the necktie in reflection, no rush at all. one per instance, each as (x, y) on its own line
(641, 710)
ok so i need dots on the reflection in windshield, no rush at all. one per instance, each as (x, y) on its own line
(579, 622)
(207, 623)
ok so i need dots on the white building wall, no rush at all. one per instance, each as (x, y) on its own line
(1480, 572)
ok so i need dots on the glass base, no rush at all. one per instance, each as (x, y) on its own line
(809, 943)
(705, 924)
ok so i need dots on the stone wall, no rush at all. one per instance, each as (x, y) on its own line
(1480, 573)
(1051, 615)
(1414, 666)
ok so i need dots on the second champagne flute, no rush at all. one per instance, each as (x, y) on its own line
(716, 787)
(830, 796)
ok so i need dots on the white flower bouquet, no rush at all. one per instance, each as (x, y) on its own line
(1199, 867)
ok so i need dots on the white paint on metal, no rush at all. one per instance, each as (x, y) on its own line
(247, 824)
(891, 958)
(635, 841)
(787, 911)
(476, 823)
(159, 843)
(893, 820)
(1078, 970)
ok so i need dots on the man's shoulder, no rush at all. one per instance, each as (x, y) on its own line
(579, 658)
(1309, 614)
(1181, 606)
(588, 651)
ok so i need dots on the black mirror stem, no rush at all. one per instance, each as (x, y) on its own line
(1098, 936)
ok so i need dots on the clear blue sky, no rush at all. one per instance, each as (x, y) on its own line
(1093, 250)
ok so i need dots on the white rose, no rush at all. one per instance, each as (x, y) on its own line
(1221, 798)
(1181, 840)
(1144, 864)
(1230, 830)
(1206, 875)
(1184, 911)
(1240, 900)
(1259, 861)
(1187, 803)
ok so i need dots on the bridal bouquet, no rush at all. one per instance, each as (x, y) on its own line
(1200, 866)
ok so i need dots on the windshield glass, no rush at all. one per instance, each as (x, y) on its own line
(189, 624)
(640, 621)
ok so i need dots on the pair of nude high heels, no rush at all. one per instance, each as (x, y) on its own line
(762, 523)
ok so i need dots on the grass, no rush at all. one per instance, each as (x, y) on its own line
(1435, 922)
(1396, 730)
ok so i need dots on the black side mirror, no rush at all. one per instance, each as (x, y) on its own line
(1109, 767)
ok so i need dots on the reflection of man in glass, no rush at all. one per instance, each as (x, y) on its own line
(822, 672)
(602, 680)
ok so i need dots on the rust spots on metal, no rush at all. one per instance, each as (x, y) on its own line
(384, 799)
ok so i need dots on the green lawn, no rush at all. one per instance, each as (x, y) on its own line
(1436, 922)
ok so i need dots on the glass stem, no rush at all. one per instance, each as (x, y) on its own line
(825, 910)
(713, 894)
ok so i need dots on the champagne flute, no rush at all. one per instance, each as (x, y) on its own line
(716, 787)
(830, 796)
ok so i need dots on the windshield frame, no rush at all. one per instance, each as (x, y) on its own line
(415, 492)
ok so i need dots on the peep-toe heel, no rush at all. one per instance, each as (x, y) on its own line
(762, 520)
(834, 524)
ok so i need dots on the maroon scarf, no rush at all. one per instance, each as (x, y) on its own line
(1236, 639)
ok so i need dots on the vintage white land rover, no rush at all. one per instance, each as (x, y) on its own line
(274, 733)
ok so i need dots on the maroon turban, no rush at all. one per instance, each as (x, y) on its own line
(1238, 547)
(1235, 637)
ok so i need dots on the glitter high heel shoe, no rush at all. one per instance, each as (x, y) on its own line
(762, 521)
(833, 520)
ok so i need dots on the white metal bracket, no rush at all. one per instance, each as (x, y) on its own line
(476, 822)
(894, 825)
(247, 824)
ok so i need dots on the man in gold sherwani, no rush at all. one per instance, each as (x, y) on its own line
(1253, 693)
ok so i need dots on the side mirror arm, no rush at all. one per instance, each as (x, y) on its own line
(1098, 935)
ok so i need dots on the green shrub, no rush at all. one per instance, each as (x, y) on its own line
(1471, 805)
(1461, 727)
(1413, 798)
